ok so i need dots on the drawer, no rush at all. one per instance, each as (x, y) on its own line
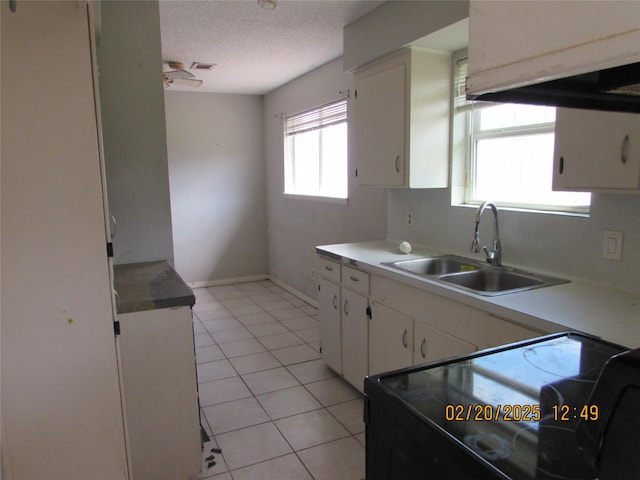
(355, 280)
(329, 269)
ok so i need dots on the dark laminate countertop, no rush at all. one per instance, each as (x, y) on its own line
(150, 286)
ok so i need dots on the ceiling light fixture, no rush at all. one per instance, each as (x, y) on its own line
(175, 65)
(268, 4)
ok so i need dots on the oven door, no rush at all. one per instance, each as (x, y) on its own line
(401, 444)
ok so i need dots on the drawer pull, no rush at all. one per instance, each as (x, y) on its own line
(423, 353)
(328, 268)
(404, 338)
(354, 279)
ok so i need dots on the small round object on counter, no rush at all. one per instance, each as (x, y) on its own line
(404, 247)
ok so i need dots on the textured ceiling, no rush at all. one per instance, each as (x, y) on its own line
(256, 50)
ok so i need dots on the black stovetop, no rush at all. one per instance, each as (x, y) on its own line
(516, 408)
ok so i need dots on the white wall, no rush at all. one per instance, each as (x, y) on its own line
(296, 226)
(397, 23)
(564, 245)
(216, 173)
(135, 147)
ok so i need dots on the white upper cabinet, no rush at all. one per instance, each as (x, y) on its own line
(399, 131)
(519, 43)
(596, 151)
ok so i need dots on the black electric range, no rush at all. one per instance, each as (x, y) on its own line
(507, 413)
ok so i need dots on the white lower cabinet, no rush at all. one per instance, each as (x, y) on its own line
(370, 324)
(343, 318)
(432, 344)
(390, 339)
(330, 324)
(354, 338)
(500, 332)
(442, 327)
(160, 393)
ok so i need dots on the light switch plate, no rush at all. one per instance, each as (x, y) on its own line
(612, 245)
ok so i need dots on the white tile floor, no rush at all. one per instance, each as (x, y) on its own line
(267, 399)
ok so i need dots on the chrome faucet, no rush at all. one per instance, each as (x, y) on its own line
(494, 257)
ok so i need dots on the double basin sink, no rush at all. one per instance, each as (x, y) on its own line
(474, 276)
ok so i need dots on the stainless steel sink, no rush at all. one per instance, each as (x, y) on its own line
(436, 265)
(492, 280)
(474, 276)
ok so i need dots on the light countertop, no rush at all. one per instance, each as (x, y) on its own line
(609, 313)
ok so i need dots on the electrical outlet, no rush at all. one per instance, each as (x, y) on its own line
(612, 245)
(409, 219)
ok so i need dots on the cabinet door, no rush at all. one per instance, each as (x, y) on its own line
(432, 344)
(160, 393)
(329, 320)
(61, 408)
(354, 338)
(378, 127)
(501, 332)
(390, 340)
(596, 150)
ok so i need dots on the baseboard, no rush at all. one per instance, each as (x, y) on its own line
(228, 281)
(255, 278)
(295, 292)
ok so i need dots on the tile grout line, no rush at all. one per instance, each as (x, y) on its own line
(245, 296)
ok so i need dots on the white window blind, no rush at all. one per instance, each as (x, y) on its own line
(317, 118)
(459, 85)
(315, 152)
(460, 102)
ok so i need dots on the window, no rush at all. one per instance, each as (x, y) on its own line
(508, 150)
(315, 152)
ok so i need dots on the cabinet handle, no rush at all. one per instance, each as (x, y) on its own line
(335, 302)
(404, 338)
(624, 150)
(113, 227)
(422, 350)
(346, 307)
(561, 166)
(328, 268)
(354, 279)
(398, 163)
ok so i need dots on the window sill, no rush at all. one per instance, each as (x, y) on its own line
(314, 198)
